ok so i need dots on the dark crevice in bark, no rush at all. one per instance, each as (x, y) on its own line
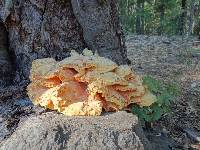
(43, 13)
(42, 24)
(45, 7)
(6, 68)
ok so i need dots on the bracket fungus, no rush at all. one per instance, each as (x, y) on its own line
(85, 84)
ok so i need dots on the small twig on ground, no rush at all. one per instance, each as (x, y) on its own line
(194, 135)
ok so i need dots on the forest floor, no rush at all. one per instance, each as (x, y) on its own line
(172, 59)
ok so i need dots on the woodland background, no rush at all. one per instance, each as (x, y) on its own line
(161, 17)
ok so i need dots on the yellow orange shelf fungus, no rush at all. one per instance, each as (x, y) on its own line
(85, 84)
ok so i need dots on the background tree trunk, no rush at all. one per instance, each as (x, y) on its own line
(191, 18)
(162, 15)
(51, 28)
(183, 16)
(138, 17)
(142, 18)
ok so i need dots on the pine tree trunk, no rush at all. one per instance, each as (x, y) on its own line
(183, 16)
(51, 28)
(142, 18)
(162, 15)
(191, 19)
(138, 17)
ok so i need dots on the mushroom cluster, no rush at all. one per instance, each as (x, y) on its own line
(85, 84)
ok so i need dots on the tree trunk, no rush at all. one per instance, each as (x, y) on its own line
(142, 18)
(191, 19)
(51, 28)
(162, 15)
(138, 17)
(183, 16)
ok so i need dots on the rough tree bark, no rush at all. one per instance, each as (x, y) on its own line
(51, 28)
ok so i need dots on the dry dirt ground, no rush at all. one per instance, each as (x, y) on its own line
(172, 59)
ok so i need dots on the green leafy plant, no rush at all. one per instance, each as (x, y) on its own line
(165, 95)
